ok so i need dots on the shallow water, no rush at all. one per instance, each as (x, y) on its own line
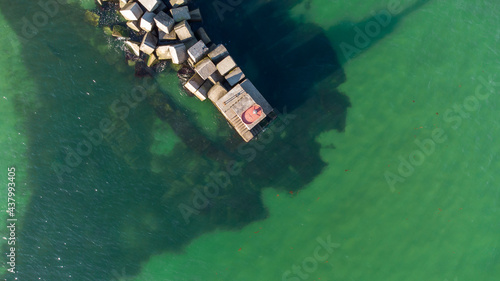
(328, 170)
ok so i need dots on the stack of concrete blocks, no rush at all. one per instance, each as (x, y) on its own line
(169, 37)
(168, 32)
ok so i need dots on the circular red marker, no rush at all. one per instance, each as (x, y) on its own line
(252, 114)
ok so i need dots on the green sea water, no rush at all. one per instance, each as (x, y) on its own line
(385, 149)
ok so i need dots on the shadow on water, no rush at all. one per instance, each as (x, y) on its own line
(109, 215)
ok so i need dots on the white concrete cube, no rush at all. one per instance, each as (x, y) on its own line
(150, 5)
(132, 11)
(147, 21)
(178, 53)
(164, 22)
(198, 51)
(183, 31)
(180, 14)
(205, 68)
(226, 65)
(149, 43)
(163, 53)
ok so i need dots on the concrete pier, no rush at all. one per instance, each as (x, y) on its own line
(217, 76)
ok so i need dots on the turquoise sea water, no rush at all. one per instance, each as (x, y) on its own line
(385, 148)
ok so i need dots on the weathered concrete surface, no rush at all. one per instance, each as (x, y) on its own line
(163, 36)
(183, 31)
(178, 53)
(216, 77)
(181, 13)
(150, 5)
(164, 22)
(216, 92)
(194, 83)
(149, 43)
(235, 76)
(205, 68)
(202, 92)
(147, 21)
(132, 11)
(163, 53)
(256, 95)
(198, 51)
(226, 65)
(218, 54)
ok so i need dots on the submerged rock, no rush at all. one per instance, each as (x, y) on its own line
(120, 31)
(185, 73)
(92, 18)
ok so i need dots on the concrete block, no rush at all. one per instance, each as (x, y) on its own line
(226, 65)
(122, 3)
(147, 21)
(134, 47)
(163, 53)
(181, 13)
(178, 53)
(194, 83)
(177, 3)
(190, 42)
(163, 36)
(132, 11)
(218, 54)
(149, 43)
(162, 7)
(164, 22)
(205, 68)
(150, 5)
(202, 35)
(195, 15)
(183, 30)
(216, 77)
(134, 25)
(235, 76)
(202, 92)
(152, 60)
(198, 51)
